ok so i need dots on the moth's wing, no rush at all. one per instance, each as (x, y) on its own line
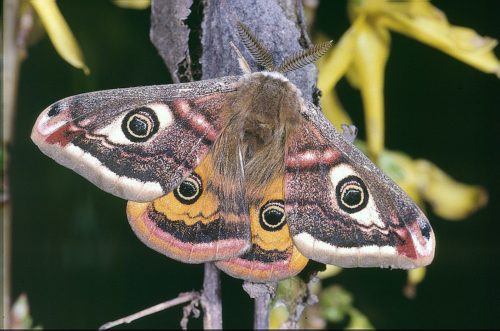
(136, 143)
(272, 255)
(343, 210)
(191, 224)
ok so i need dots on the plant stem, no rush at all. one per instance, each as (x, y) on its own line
(261, 313)
(11, 61)
(182, 298)
(211, 298)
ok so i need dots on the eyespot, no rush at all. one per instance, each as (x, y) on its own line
(140, 124)
(189, 190)
(352, 194)
(272, 215)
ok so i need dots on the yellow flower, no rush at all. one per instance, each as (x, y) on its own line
(361, 54)
(414, 277)
(425, 182)
(133, 4)
(59, 33)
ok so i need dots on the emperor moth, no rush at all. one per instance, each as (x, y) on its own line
(234, 170)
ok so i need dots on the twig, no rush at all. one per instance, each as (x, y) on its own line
(170, 35)
(182, 298)
(210, 299)
(261, 312)
(187, 311)
(262, 293)
(17, 30)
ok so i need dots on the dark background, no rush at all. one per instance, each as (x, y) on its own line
(76, 257)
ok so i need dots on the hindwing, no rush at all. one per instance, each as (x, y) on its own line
(191, 224)
(272, 255)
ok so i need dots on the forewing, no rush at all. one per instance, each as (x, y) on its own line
(136, 143)
(343, 210)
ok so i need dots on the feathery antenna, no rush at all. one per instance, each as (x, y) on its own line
(303, 58)
(255, 47)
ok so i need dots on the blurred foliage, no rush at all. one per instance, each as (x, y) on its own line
(288, 303)
(415, 276)
(425, 182)
(362, 52)
(337, 305)
(2, 165)
(59, 33)
(309, 306)
(330, 271)
(20, 315)
(133, 4)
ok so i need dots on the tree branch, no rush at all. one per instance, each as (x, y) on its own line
(170, 35)
(261, 312)
(262, 293)
(276, 23)
(211, 300)
(18, 24)
(192, 297)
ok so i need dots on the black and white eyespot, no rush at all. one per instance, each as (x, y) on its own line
(189, 190)
(352, 194)
(140, 124)
(272, 215)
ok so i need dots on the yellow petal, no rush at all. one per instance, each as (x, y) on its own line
(330, 69)
(334, 111)
(358, 321)
(460, 42)
(449, 199)
(333, 66)
(416, 276)
(278, 315)
(422, 180)
(132, 4)
(370, 58)
(59, 33)
(401, 168)
(330, 271)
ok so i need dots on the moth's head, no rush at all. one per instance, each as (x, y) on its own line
(265, 59)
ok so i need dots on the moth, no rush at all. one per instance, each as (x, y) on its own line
(235, 170)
